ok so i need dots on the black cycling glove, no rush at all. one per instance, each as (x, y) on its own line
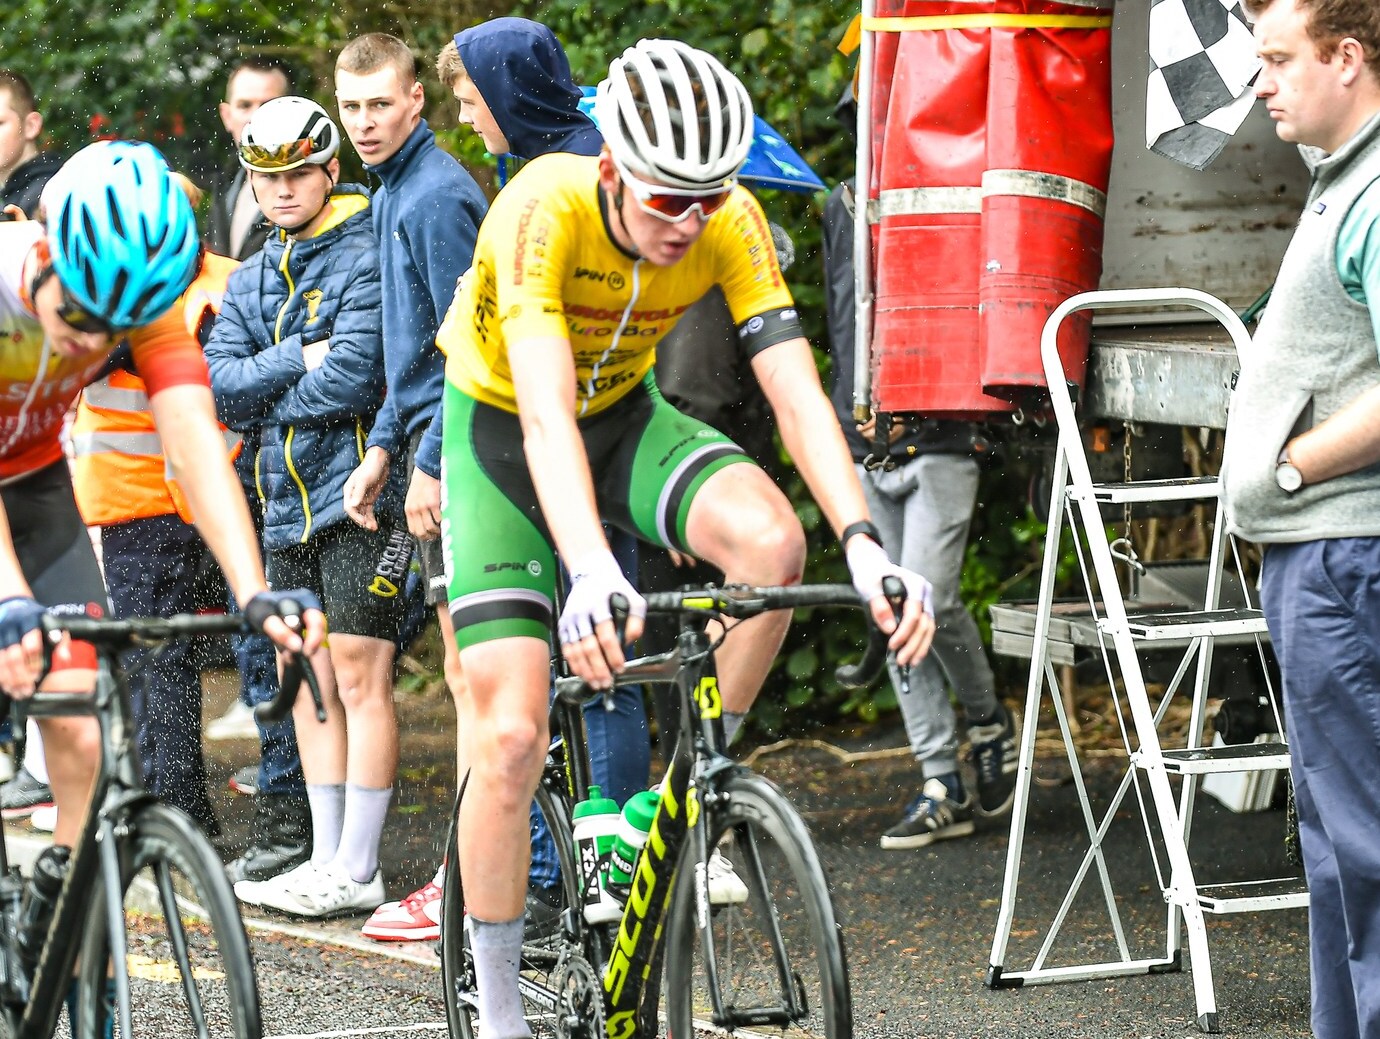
(19, 615)
(289, 604)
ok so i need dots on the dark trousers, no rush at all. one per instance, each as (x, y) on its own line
(1322, 602)
(280, 768)
(150, 570)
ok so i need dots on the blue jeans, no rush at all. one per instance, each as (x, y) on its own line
(620, 749)
(280, 769)
(1322, 602)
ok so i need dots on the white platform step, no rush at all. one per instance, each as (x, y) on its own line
(1240, 757)
(1192, 624)
(1192, 488)
(1253, 896)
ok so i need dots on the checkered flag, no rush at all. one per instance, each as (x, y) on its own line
(1203, 65)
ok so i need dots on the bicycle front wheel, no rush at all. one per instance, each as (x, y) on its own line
(556, 980)
(187, 957)
(773, 954)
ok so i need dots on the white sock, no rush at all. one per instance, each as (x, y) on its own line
(327, 802)
(33, 752)
(358, 850)
(497, 957)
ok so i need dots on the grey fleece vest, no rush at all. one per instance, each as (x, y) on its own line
(1313, 353)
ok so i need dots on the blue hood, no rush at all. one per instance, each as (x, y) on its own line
(524, 77)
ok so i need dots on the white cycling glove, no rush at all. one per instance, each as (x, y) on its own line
(868, 563)
(593, 578)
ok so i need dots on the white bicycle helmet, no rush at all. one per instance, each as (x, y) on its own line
(641, 109)
(288, 132)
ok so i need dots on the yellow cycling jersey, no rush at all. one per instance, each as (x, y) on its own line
(546, 265)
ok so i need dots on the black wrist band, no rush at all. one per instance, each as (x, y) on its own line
(861, 527)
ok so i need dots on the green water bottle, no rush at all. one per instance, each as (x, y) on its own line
(636, 823)
(596, 821)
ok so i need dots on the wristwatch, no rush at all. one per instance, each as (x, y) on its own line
(1287, 474)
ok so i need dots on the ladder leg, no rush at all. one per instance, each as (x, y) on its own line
(1039, 654)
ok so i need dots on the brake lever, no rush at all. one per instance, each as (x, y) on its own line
(620, 610)
(876, 655)
(895, 591)
(297, 670)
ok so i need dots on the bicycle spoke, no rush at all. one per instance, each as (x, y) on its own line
(177, 936)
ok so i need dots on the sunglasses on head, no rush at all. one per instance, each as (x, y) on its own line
(71, 311)
(272, 160)
(675, 204)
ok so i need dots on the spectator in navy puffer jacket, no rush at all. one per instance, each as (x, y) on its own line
(298, 356)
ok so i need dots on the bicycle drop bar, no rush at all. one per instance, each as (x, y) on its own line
(118, 635)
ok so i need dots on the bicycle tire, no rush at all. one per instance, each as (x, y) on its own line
(754, 825)
(541, 954)
(172, 883)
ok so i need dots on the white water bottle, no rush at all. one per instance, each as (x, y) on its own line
(596, 820)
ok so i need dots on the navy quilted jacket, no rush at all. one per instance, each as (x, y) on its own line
(312, 424)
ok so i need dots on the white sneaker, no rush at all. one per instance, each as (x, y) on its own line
(44, 818)
(251, 892)
(6, 766)
(726, 888)
(326, 891)
(237, 723)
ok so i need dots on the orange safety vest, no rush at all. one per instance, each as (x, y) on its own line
(119, 472)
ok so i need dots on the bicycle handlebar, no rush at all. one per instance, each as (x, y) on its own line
(117, 635)
(742, 601)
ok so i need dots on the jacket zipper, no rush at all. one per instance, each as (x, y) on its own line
(291, 430)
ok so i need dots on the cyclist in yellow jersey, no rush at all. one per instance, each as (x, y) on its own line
(552, 261)
(553, 421)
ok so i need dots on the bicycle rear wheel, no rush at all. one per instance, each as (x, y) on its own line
(776, 959)
(187, 958)
(553, 976)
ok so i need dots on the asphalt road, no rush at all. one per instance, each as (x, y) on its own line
(919, 924)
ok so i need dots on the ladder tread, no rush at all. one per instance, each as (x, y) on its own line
(1188, 488)
(1237, 757)
(1239, 620)
(1253, 895)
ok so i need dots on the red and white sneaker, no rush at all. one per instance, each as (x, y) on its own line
(417, 918)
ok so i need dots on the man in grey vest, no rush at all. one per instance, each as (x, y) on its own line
(1301, 475)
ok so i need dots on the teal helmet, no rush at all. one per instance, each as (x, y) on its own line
(121, 232)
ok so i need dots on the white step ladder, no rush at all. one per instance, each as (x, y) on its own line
(1119, 633)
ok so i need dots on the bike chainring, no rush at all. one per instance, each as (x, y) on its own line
(579, 998)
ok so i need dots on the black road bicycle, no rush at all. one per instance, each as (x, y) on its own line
(774, 961)
(146, 916)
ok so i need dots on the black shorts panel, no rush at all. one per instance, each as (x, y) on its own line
(338, 565)
(50, 540)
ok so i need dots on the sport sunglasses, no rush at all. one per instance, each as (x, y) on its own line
(71, 311)
(674, 205)
(270, 160)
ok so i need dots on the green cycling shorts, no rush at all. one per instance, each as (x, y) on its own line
(648, 459)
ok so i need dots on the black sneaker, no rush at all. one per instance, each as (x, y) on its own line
(995, 757)
(936, 815)
(543, 913)
(23, 795)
